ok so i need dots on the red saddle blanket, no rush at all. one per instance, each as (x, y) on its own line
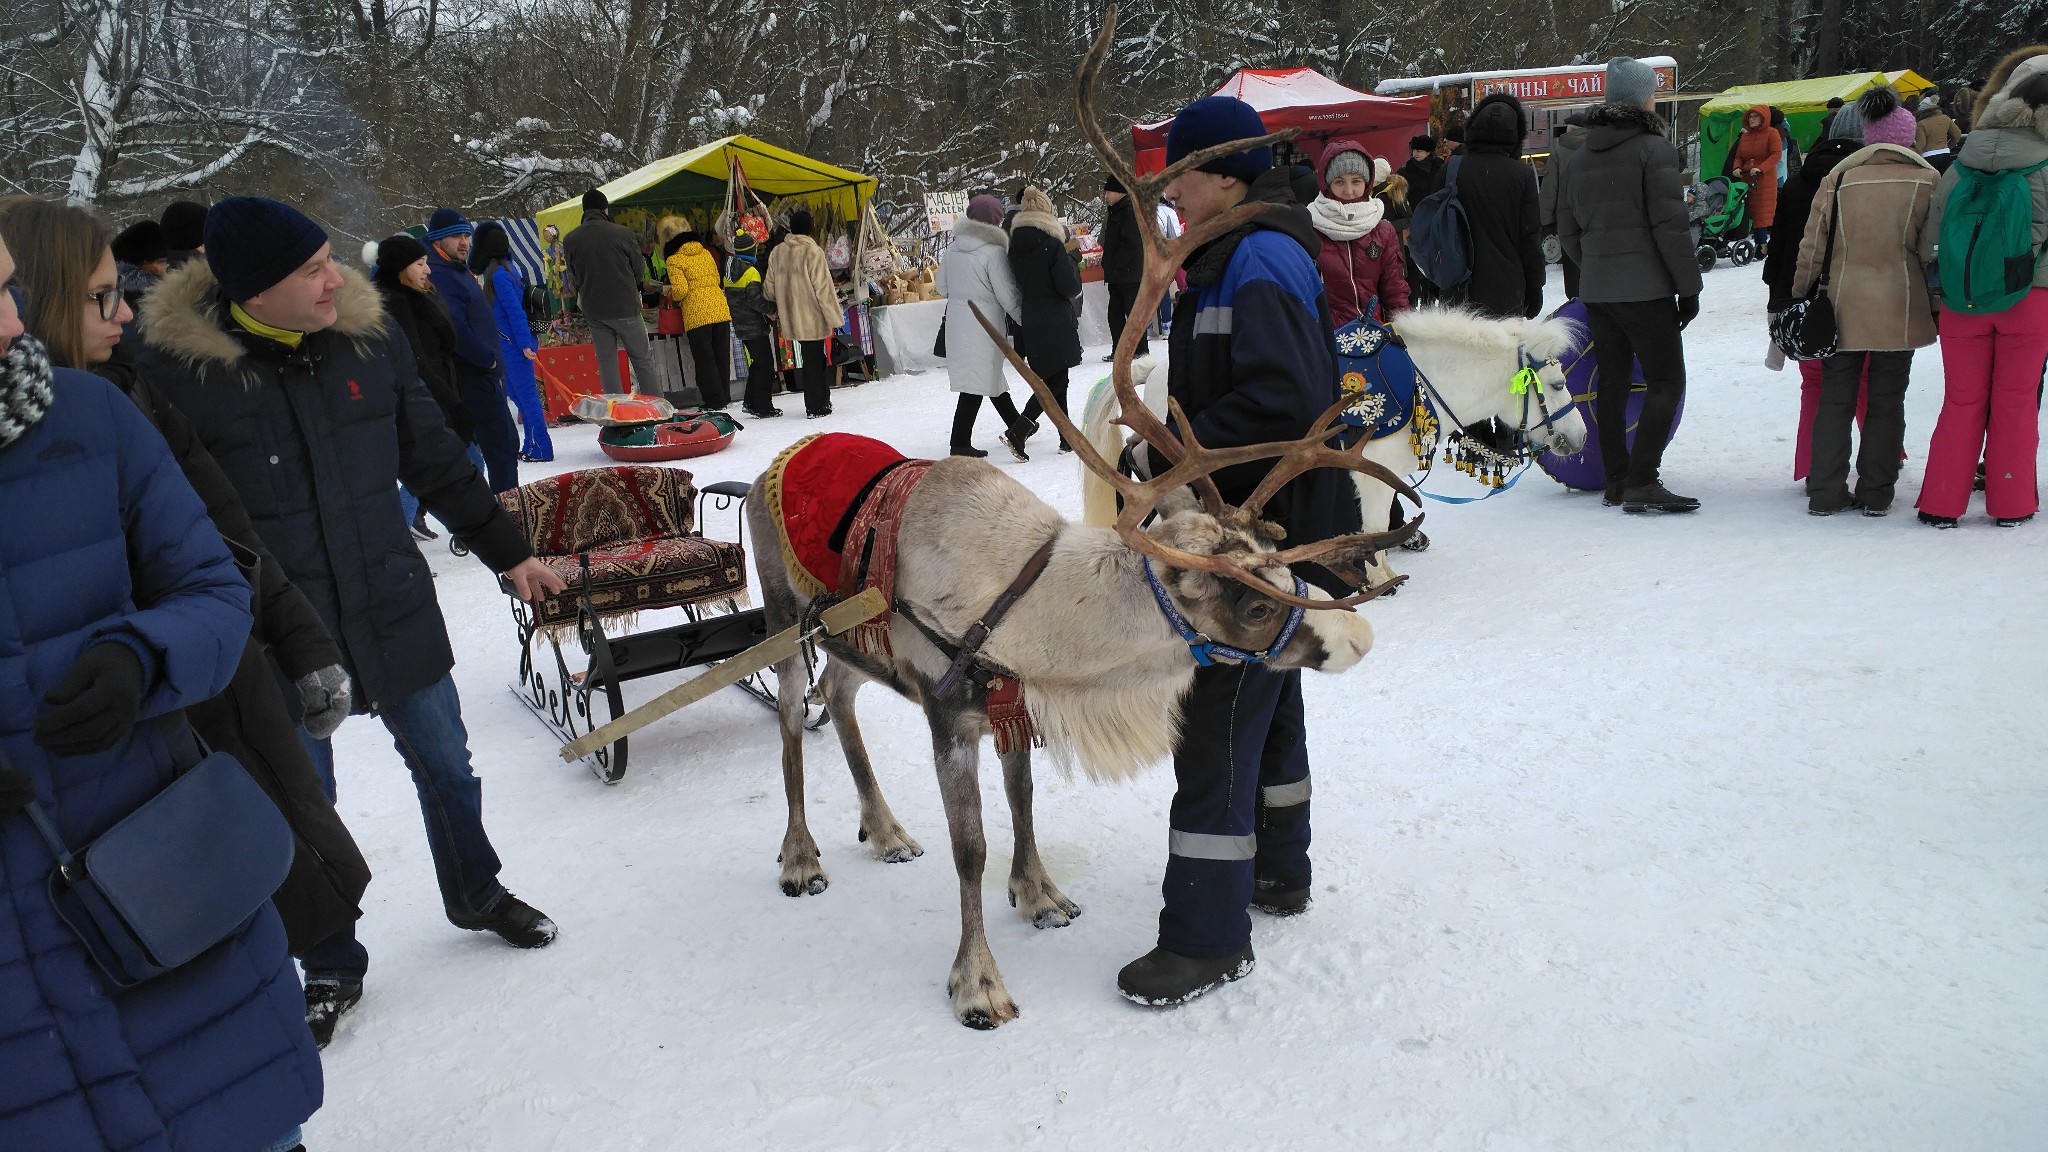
(837, 499)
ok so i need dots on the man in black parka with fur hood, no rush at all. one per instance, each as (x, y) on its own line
(301, 390)
(1503, 211)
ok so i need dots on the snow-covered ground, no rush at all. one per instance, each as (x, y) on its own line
(1721, 831)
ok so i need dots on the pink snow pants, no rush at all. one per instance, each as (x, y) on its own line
(1992, 366)
(1809, 407)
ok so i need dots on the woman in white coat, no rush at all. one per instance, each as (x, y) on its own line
(976, 269)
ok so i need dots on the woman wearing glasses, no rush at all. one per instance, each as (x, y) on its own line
(122, 608)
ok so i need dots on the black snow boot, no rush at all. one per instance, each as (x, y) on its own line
(1162, 979)
(1018, 433)
(1934, 521)
(326, 1002)
(520, 923)
(1270, 898)
(1654, 497)
(1612, 496)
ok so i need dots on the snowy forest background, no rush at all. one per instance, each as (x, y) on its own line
(371, 111)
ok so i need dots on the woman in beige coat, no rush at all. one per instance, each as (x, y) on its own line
(1874, 204)
(799, 285)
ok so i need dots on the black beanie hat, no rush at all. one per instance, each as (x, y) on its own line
(492, 243)
(397, 253)
(1112, 184)
(252, 243)
(596, 201)
(1422, 143)
(184, 224)
(141, 243)
(801, 223)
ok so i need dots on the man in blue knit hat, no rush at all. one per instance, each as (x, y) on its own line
(310, 403)
(478, 376)
(1252, 360)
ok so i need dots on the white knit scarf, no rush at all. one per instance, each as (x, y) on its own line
(24, 389)
(1340, 221)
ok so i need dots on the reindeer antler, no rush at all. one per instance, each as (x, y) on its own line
(1190, 462)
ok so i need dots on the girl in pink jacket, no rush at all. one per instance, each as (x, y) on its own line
(1361, 257)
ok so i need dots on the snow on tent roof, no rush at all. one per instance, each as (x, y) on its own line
(1407, 84)
(1306, 99)
(698, 177)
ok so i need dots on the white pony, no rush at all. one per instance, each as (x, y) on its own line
(1468, 362)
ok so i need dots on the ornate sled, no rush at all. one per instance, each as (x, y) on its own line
(627, 540)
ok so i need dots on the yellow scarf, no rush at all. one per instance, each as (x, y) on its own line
(251, 324)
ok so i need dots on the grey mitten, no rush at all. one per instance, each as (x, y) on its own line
(326, 696)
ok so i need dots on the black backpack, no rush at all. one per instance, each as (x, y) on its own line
(1438, 235)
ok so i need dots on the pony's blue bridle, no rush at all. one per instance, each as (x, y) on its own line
(1204, 650)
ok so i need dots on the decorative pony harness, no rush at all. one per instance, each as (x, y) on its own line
(1389, 392)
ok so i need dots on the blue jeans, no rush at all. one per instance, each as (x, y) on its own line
(288, 1141)
(426, 727)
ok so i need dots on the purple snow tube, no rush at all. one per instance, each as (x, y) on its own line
(1583, 469)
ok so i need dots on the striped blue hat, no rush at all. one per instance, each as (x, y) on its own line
(446, 222)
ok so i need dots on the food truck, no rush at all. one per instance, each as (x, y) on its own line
(1549, 94)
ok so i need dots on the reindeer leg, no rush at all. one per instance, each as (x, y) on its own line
(1031, 890)
(979, 998)
(840, 683)
(801, 872)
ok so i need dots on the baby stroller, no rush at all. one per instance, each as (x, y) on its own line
(1720, 213)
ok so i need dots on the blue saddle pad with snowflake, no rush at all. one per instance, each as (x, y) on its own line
(1377, 376)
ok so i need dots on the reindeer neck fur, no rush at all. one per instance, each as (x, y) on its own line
(1104, 672)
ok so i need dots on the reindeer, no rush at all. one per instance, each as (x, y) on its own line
(1104, 668)
(1469, 360)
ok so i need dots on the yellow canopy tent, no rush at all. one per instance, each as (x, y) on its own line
(697, 179)
(1804, 103)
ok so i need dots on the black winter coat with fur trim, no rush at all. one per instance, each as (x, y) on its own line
(316, 440)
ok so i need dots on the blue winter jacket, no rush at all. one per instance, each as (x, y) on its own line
(1253, 360)
(508, 312)
(476, 333)
(102, 537)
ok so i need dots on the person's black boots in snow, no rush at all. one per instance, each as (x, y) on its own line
(1270, 898)
(1162, 979)
(520, 923)
(1612, 497)
(326, 1002)
(1655, 497)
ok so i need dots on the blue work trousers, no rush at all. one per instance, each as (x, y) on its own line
(1240, 811)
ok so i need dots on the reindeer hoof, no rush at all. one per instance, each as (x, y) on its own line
(979, 1021)
(800, 886)
(891, 845)
(1056, 917)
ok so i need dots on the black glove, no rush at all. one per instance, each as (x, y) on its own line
(1688, 308)
(16, 791)
(95, 704)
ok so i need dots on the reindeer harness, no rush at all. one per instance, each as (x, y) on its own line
(1206, 651)
(838, 502)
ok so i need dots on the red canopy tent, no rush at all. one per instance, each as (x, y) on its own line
(1323, 109)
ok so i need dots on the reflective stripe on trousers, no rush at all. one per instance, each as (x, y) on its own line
(1286, 795)
(1203, 846)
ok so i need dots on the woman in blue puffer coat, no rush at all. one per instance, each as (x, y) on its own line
(119, 606)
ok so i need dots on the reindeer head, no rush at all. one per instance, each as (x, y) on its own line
(1231, 613)
(1196, 553)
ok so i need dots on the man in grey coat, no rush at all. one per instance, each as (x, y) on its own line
(1621, 217)
(1565, 141)
(606, 272)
